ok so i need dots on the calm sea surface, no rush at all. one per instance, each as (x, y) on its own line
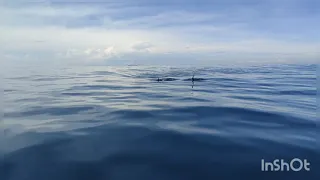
(120, 123)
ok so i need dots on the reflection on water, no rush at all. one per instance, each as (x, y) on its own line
(158, 122)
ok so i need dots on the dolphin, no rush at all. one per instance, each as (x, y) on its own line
(195, 79)
(166, 79)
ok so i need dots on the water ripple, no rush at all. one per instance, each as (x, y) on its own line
(121, 123)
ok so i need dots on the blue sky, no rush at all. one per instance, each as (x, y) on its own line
(160, 32)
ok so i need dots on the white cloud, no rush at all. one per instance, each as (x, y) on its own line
(142, 46)
(161, 20)
(41, 31)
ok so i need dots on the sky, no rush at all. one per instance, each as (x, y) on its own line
(150, 32)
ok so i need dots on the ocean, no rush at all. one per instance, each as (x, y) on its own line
(156, 122)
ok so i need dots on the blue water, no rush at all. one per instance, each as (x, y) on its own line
(119, 123)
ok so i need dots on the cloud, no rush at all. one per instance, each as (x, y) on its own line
(106, 32)
(165, 19)
(98, 53)
(142, 46)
